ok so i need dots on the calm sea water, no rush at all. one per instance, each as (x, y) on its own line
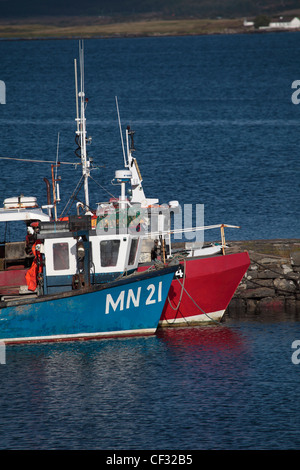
(218, 387)
(214, 125)
(213, 116)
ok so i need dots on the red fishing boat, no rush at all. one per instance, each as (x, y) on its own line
(203, 288)
(207, 277)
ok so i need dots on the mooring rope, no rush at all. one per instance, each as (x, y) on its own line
(210, 318)
(180, 298)
(183, 289)
(285, 276)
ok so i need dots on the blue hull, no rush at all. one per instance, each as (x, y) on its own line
(131, 306)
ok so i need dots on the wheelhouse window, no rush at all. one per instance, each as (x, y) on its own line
(133, 250)
(61, 258)
(109, 252)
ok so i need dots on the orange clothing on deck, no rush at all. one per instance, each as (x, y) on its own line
(35, 269)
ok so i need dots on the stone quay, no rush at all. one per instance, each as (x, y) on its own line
(272, 282)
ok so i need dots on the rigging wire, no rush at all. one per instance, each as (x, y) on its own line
(39, 161)
(73, 196)
(102, 187)
(120, 128)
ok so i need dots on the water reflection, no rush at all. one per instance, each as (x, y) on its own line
(204, 337)
(178, 389)
(120, 359)
(270, 316)
(207, 353)
(127, 369)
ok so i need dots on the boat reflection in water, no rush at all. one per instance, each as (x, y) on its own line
(210, 351)
(208, 337)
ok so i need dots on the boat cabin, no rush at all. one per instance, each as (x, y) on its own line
(76, 256)
(66, 254)
(16, 215)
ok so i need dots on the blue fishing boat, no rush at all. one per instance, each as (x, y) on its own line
(49, 290)
(128, 307)
(67, 280)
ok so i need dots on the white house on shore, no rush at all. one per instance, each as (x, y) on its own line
(283, 24)
(248, 23)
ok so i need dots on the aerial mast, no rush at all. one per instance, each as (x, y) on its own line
(81, 123)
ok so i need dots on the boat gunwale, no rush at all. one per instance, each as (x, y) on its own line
(135, 277)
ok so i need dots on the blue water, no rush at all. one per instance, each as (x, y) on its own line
(213, 115)
(215, 125)
(218, 387)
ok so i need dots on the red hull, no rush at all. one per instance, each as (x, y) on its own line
(203, 293)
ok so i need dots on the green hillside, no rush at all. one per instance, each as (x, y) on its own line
(161, 8)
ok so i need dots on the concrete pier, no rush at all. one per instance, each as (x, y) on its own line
(272, 282)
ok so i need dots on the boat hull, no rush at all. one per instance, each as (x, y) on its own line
(203, 289)
(128, 307)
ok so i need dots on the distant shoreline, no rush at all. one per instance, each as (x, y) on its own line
(104, 28)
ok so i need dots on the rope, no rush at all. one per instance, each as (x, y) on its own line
(183, 289)
(180, 298)
(270, 269)
(285, 276)
(211, 319)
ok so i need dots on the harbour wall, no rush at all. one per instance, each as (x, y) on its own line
(272, 282)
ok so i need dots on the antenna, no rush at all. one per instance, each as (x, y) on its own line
(55, 186)
(81, 126)
(125, 163)
(57, 179)
(76, 94)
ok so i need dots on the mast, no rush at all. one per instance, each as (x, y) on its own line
(81, 124)
(138, 195)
